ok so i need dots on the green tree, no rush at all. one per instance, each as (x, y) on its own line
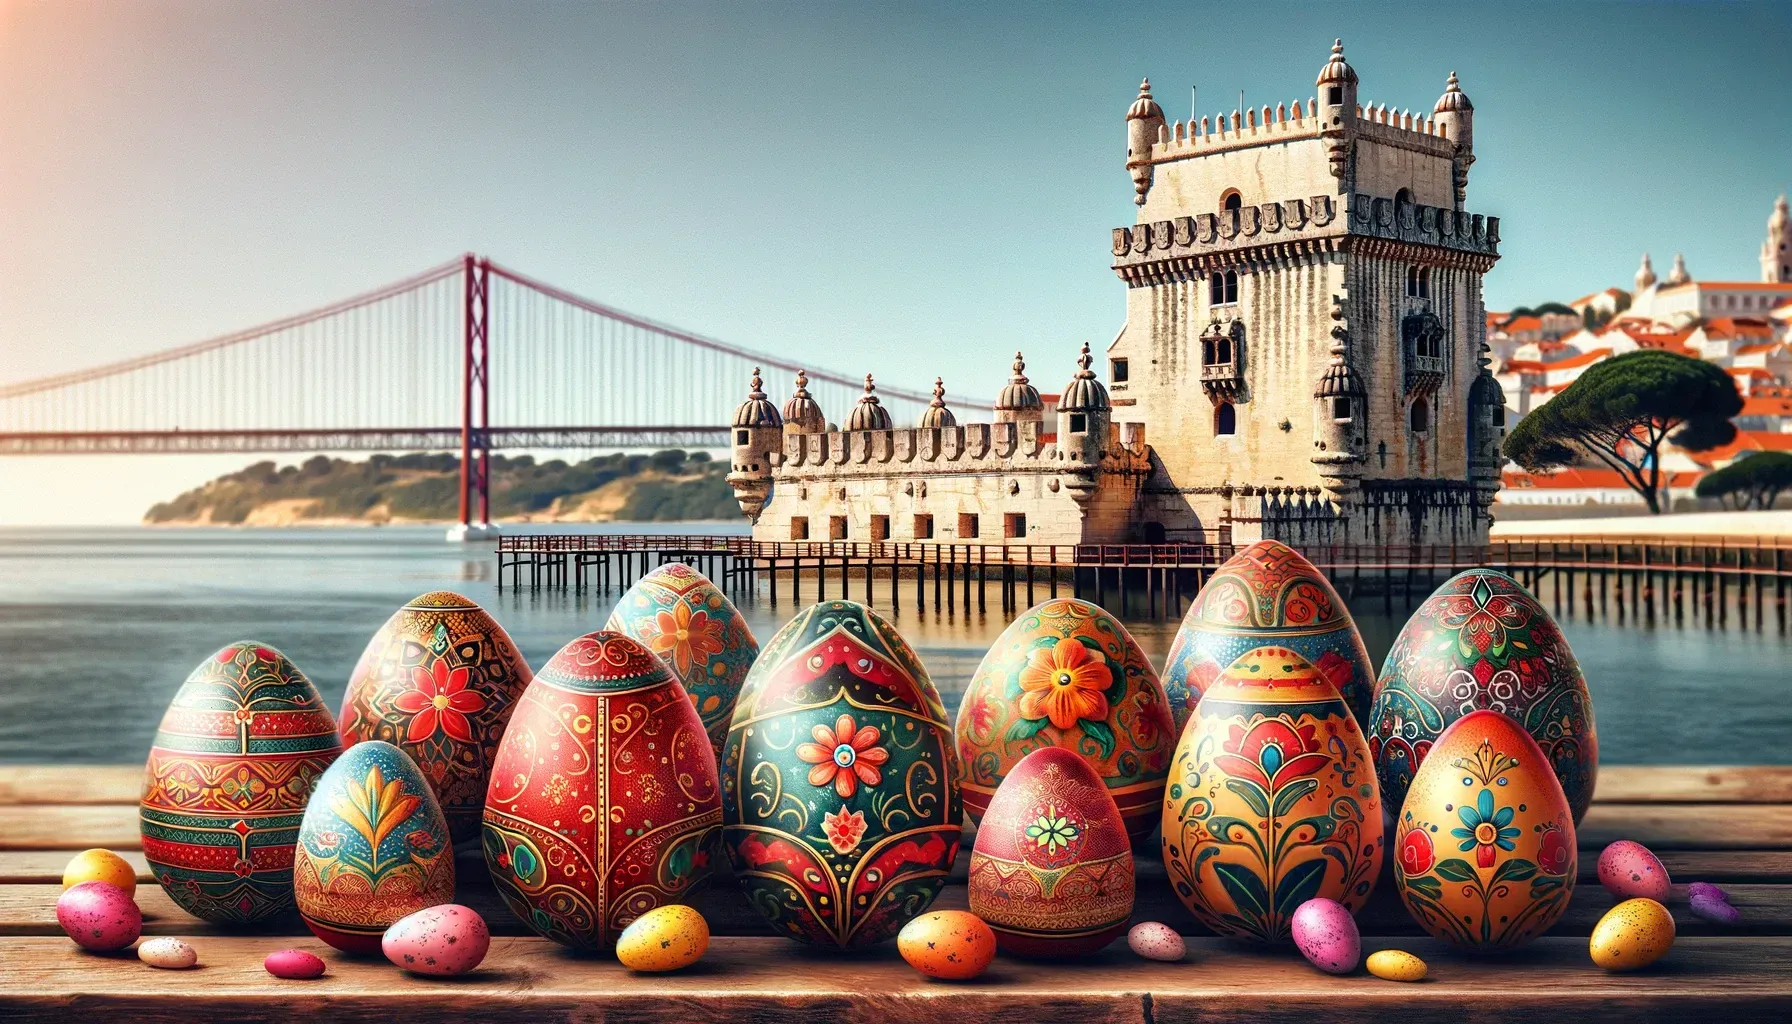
(1620, 411)
(1752, 482)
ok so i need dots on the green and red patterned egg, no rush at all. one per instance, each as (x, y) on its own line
(373, 848)
(838, 788)
(1481, 642)
(1067, 674)
(603, 802)
(691, 626)
(242, 744)
(439, 681)
(1267, 595)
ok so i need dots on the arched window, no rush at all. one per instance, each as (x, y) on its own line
(1222, 289)
(1421, 416)
(1231, 286)
(1499, 415)
(1225, 420)
(1222, 350)
(1403, 198)
(1231, 200)
(1418, 282)
(1424, 282)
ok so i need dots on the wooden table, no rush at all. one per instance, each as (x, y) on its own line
(1726, 825)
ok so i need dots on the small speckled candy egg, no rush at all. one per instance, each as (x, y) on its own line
(1628, 870)
(100, 866)
(168, 954)
(1396, 965)
(1706, 890)
(1155, 940)
(294, 965)
(446, 940)
(99, 916)
(1714, 909)
(1326, 935)
(951, 944)
(663, 939)
(1633, 934)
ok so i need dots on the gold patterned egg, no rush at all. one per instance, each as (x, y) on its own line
(1484, 847)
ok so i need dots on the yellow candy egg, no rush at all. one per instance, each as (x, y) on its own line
(664, 939)
(1396, 965)
(953, 944)
(100, 866)
(1633, 934)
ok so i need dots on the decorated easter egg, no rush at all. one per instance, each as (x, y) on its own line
(667, 938)
(230, 769)
(1325, 933)
(1481, 642)
(1267, 595)
(1485, 842)
(1067, 674)
(1271, 800)
(373, 848)
(1628, 870)
(952, 944)
(1155, 940)
(445, 940)
(603, 802)
(1051, 868)
(1633, 934)
(99, 916)
(838, 787)
(439, 681)
(691, 626)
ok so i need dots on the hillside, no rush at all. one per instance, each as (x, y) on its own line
(668, 485)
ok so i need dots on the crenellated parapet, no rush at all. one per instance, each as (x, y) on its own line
(981, 448)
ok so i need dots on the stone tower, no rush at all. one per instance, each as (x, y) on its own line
(758, 435)
(1776, 252)
(1305, 326)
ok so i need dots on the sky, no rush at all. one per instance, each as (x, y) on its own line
(906, 188)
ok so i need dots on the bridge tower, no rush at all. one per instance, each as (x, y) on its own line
(475, 401)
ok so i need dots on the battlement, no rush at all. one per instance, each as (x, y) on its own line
(1014, 447)
(1288, 122)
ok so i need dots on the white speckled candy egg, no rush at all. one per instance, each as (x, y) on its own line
(1155, 940)
(99, 916)
(447, 940)
(1327, 935)
(1396, 965)
(1628, 871)
(1633, 934)
(168, 954)
(663, 939)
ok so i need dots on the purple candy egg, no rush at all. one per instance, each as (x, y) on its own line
(1707, 890)
(1715, 910)
(294, 964)
(1327, 936)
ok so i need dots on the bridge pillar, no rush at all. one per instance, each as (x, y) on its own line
(475, 404)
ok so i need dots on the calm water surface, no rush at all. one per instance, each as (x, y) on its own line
(99, 626)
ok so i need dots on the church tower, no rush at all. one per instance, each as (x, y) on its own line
(1776, 252)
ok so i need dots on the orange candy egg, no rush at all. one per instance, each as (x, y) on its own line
(951, 944)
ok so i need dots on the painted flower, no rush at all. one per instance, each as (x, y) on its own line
(1416, 855)
(1552, 851)
(1482, 619)
(845, 755)
(685, 636)
(844, 829)
(1052, 831)
(438, 697)
(328, 840)
(1484, 828)
(1064, 682)
(1272, 752)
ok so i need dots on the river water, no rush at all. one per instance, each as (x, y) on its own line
(98, 627)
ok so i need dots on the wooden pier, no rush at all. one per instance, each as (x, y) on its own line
(1641, 577)
(1729, 825)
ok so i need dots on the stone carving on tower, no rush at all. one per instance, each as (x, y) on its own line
(1422, 337)
(1222, 360)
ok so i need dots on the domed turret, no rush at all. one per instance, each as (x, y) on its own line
(1456, 115)
(1340, 412)
(1776, 252)
(1084, 393)
(936, 415)
(1678, 275)
(1084, 429)
(1337, 107)
(757, 410)
(869, 414)
(1019, 400)
(758, 439)
(801, 414)
(1645, 275)
(1144, 120)
(1486, 432)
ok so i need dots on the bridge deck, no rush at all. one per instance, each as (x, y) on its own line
(1727, 825)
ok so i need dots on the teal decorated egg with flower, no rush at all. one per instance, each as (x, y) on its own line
(840, 800)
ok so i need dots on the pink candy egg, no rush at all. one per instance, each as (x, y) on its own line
(294, 964)
(1629, 871)
(449, 939)
(1326, 935)
(99, 916)
(1155, 940)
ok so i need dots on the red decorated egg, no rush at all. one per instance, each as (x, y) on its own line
(1051, 868)
(603, 802)
(439, 681)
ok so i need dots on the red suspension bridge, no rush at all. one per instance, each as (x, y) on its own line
(466, 356)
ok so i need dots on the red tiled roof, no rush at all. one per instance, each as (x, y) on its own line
(1738, 327)
(1524, 323)
(1748, 286)
(1575, 479)
(1584, 359)
(1746, 440)
(1757, 349)
(1767, 402)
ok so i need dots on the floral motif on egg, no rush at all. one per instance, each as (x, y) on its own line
(603, 802)
(1272, 800)
(373, 848)
(691, 626)
(439, 681)
(839, 793)
(1481, 642)
(1485, 846)
(230, 770)
(1267, 593)
(1067, 674)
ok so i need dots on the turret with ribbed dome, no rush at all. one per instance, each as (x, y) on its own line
(757, 410)
(1144, 122)
(801, 414)
(936, 416)
(1456, 116)
(758, 435)
(1084, 393)
(1019, 400)
(869, 414)
(1337, 107)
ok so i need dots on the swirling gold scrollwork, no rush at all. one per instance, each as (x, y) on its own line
(779, 805)
(920, 801)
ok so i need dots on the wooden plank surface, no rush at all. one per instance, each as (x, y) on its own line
(70, 783)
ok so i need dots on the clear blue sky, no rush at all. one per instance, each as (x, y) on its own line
(908, 188)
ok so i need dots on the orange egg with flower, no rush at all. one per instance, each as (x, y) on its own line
(1067, 674)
